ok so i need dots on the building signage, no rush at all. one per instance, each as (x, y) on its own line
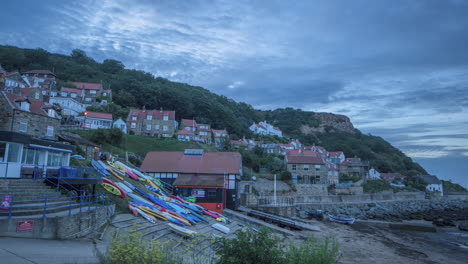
(198, 192)
(25, 226)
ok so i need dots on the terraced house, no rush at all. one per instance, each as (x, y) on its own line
(153, 123)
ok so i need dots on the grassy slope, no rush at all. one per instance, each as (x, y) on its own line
(140, 145)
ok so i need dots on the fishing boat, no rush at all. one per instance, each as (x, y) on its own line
(221, 228)
(341, 220)
(182, 231)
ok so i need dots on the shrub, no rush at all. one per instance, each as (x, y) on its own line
(250, 247)
(312, 251)
(374, 186)
(130, 249)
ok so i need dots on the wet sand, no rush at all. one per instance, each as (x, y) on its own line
(377, 243)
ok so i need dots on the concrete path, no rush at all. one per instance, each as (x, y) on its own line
(41, 251)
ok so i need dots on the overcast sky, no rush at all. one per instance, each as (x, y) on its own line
(398, 69)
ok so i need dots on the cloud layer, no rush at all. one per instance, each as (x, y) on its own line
(397, 68)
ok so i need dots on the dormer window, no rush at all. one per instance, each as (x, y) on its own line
(24, 106)
(166, 117)
(149, 117)
(51, 112)
(134, 118)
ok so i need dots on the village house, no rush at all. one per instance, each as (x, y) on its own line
(212, 177)
(43, 79)
(185, 135)
(336, 157)
(153, 123)
(333, 176)
(95, 120)
(433, 183)
(392, 177)
(30, 116)
(238, 143)
(219, 137)
(263, 128)
(307, 169)
(15, 80)
(70, 106)
(200, 132)
(374, 174)
(297, 144)
(285, 148)
(92, 94)
(354, 167)
(121, 125)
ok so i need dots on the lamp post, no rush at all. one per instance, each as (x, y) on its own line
(85, 114)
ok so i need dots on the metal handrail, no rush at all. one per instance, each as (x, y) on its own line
(84, 200)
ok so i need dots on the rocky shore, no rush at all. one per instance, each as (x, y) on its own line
(429, 210)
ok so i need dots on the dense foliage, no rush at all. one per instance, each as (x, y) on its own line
(452, 187)
(263, 247)
(133, 88)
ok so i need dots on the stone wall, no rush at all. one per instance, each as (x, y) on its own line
(311, 189)
(390, 210)
(64, 227)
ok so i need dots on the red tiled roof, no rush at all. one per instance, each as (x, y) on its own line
(87, 86)
(25, 91)
(185, 132)
(305, 160)
(335, 154)
(222, 132)
(260, 126)
(238, 142)
(72, 90)
(98, 115)
(298, 152)
(208, 163)
(39, 72)
(189, 122)
(199, 180)
(157, 114)
(354, 162)
(36, 106)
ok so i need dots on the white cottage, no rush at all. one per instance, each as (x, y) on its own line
(120, 124)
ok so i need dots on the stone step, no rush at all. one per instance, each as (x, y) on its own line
(25, 200)
(28, 195)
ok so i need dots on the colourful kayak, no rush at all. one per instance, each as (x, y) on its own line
(113, 188)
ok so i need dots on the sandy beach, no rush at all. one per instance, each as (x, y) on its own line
(377, 243)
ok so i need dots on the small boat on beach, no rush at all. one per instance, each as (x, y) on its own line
(341, 220)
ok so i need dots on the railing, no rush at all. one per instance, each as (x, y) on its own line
(85, 203)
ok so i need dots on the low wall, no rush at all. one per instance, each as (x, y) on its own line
(463, 197)
(64, 227)
(253, 200)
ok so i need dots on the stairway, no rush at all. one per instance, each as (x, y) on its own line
(34, 199)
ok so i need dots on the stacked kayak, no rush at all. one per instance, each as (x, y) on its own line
(153, 202)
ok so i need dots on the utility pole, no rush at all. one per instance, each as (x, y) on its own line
(274, 190)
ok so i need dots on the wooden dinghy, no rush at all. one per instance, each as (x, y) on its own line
(182, 231)
(341, 220)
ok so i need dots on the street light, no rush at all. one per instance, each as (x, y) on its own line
(85, 114)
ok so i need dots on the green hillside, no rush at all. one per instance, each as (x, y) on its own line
(133, 88)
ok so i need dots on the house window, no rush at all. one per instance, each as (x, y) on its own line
(306, 167)
(166, 117)
(164, 128)
(317, 167)
(50, 131)
(149, 117)
(36, 96)
(211, 193)
(166, 135)
(87, 99)
(293, 167)
(134, 118)
(156, 127)
(92, 92)
(133, 125)
(64, 94)
(23, 126)
(53, 93)
(148, 127)
(73, 95)
(317, 178)
(104, 94)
